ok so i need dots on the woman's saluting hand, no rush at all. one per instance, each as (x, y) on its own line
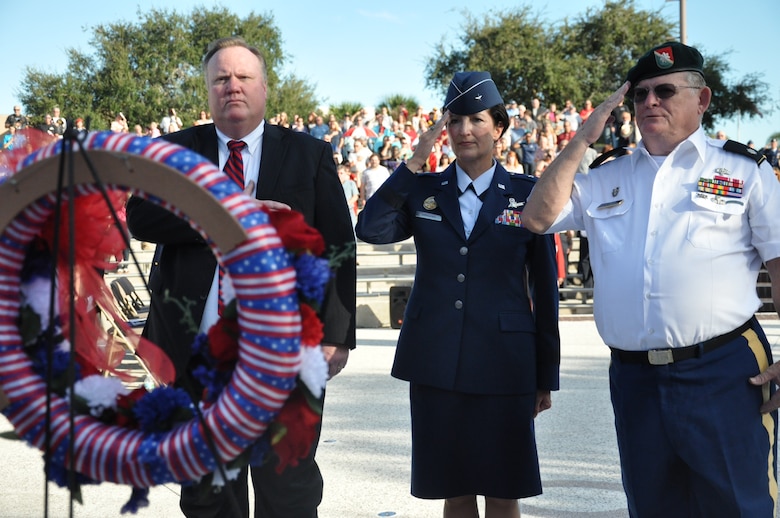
(425, 144)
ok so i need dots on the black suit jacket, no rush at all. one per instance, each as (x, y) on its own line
(295, 169)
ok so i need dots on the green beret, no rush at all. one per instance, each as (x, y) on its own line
(667, 58)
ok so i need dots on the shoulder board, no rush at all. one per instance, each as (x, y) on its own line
(615, 153)
(514, 175)
(739, 148)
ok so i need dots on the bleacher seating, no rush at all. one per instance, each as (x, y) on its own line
(381, 267)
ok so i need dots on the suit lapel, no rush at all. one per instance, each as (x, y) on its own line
(447, 200)
(209, 146)
(274, 150)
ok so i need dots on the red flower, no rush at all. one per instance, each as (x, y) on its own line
(124, 408)
(297, 428)
(311, 332)
(295, 233)
(223, 341)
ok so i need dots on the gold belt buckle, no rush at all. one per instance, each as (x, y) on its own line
(660, 356)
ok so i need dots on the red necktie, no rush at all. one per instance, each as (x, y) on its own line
(234, 168)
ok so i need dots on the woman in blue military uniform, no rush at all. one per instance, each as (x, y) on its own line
(479, 342)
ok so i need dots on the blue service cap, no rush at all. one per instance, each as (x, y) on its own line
(471, 92)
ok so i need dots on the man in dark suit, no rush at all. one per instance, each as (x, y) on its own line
(290, 170)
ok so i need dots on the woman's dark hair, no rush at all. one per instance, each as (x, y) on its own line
(500, 116)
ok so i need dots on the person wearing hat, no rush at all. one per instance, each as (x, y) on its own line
(678, 231)
(771, 152)
(479, 342)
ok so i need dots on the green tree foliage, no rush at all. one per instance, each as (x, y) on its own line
(395, 101)
(294, 96)
(748, 96)
(583, 58)
(147, 66)
(343, 109)
(606, 43)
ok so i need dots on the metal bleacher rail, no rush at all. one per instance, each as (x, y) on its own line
(381, 267)
(143, 252)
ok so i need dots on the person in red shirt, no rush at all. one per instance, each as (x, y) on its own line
(587, 110)
(567, 133)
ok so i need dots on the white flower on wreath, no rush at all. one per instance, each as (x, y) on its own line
(228, 291)
(232, 474)
(36, 295)
(99, 392)
(314, 369)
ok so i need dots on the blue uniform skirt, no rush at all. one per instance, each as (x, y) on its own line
(473, 444)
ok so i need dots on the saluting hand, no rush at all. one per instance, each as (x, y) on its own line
(425, 144)
(592, 129)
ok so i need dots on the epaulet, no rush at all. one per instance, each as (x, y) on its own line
(515, 175)
(732, 146)
(614, 153)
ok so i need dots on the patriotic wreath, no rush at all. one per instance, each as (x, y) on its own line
(260, 366)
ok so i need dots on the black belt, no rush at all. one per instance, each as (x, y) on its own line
(677, 354)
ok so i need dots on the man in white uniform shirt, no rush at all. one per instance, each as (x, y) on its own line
(678, 231)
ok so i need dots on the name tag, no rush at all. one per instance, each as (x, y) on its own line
(610, 205)
(428, 215)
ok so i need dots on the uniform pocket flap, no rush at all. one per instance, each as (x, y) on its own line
(602, 209)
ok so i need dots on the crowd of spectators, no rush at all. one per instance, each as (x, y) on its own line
(536, 135)
(369, 144)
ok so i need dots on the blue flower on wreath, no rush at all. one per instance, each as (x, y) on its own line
(60, 360)
(59, 474)
(313, 274)
(138, 500)
(212, 380)
(161, 409)
(200, 346)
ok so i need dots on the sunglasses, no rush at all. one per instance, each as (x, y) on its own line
(662, 91)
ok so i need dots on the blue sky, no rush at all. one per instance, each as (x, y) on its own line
(365, 51)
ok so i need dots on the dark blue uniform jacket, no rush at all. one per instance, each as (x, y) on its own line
(482, 317)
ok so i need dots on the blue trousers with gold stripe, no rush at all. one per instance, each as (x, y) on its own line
(691, 438)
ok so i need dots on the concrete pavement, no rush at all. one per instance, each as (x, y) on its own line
(365, 446)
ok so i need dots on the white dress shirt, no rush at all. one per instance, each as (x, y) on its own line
(674, 266)
(470, 203)
(251, 157)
